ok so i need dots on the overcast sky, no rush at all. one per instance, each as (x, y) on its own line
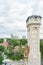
(13, 15)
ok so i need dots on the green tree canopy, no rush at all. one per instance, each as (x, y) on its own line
(1, 40)
(2, 48)
(1, 58)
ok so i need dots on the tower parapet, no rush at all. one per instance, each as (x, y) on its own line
(33, 20)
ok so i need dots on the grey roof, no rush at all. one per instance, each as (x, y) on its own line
(33, 16)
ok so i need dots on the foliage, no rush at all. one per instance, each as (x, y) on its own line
(23, 41)
(2, 48)
(17, 56)
(16, 42)
(41, 48)
(13, 42)
(1, 58)
(1, 41)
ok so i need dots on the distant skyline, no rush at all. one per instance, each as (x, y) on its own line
(13, 15)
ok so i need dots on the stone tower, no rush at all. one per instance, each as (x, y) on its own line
(33, 27)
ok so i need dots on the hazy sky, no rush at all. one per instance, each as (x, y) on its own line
(13, 15)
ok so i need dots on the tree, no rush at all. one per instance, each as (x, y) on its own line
(23, 41)
(41, 48)
(1, 58)
(1, 41)
(2, 48)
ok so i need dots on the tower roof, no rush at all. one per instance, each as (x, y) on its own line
(33, 16)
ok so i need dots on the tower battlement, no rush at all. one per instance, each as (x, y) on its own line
(33, 20)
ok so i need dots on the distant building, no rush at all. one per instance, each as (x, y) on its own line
(23, 37)
(14, 37)
(18, 37)
(11, 35)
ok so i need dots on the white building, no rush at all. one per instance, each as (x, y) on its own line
(10, 62)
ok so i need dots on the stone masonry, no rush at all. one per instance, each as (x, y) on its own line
(33, 28)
